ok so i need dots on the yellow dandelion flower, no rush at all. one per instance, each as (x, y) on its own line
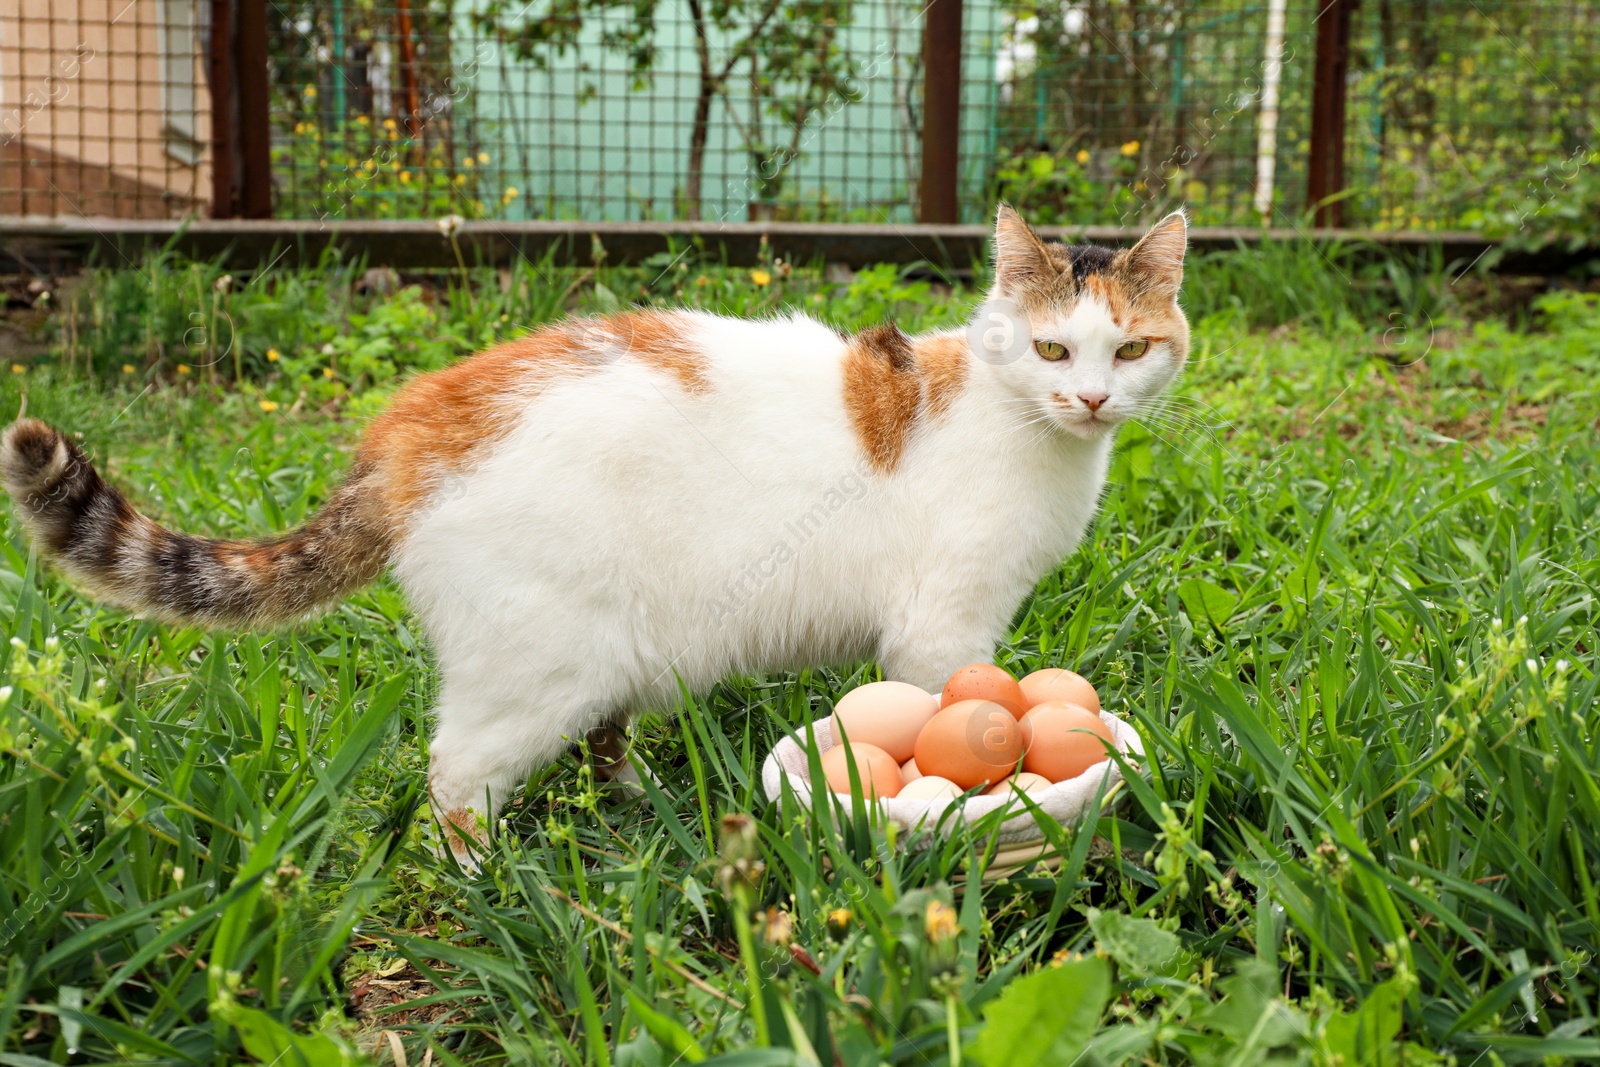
(268, 405)
(127, 368)
(369, 165)
(702, 280)
(311, 92)
(1131, 148)
(273, 355)
(1083, 156)
(17, 368)
(327, 372)
(405, 176)
(362, 120)
(483, 157)
(461, 179)
(761, 277)
(467, 162)
(511, 192)
(388, 124)
(183, 368)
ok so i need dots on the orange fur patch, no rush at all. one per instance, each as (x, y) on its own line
(1110, 292)
(660, 339)
(441, 420)
(889, 381)
(942, 362)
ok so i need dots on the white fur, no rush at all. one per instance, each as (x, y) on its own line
(628, 535)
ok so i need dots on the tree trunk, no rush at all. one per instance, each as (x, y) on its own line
(700, 128)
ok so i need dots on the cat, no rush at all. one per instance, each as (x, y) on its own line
(590, 515)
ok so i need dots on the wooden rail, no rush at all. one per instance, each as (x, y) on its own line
(56, 245)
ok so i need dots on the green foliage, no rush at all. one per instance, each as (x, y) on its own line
(1363, 831)
(367, 169)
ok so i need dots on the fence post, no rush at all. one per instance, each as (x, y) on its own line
(1325, 169)
(941, 111)
(241, 134)
(255, 112)
(224, 118)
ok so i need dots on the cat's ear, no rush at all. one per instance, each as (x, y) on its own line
(1020, 258)
(1155, 264)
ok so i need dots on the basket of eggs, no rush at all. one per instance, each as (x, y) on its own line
(986, 738)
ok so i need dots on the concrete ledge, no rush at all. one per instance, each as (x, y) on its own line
(57, 245)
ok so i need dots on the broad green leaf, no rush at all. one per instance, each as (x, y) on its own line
(1206, 602)
(1138, 945)
(669, 1032)
(1045, 1019)
(269, 1041)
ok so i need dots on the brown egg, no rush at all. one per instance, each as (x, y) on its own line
(909, 772)
(1055, 684)
(972, 743)
(984, 681)
(930, 787)
(1061, 741)
(889, 715)
(1024, 782)
(879, 773)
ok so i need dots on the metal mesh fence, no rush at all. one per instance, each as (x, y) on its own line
(1460, 113)
(801, 110)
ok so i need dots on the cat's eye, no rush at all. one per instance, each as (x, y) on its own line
(1133, 349)
(1050, 349)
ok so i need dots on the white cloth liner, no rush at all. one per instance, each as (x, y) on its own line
(1064, 801)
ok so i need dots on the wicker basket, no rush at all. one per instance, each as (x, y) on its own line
(1018, 839)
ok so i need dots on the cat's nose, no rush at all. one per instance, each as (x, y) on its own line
(1092, 401)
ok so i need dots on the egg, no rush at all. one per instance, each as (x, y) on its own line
(889, 715)
(984, 681)
(1026, 782)
(1061, 741)
(930, 787)
(879, 773)
(1055, 684)
(909, 772)
(972, 743)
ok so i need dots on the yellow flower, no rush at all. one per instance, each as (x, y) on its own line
(127, 368)
(702, 280)
(327, 372)
(467, 162)
(511, 193)
(939, 922)
(405, 176)
(1083, 156)
(17, 368)
(183, 368)
(361, 120)
(760, 277)
(388, 124)
(273, 355)
(483, 157)
(1131, 148)
(311, 92)
(369, 165)
(461, 179)
(268, 405)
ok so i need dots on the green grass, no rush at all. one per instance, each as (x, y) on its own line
(1347, 596)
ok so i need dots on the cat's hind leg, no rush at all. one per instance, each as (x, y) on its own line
(491, 735)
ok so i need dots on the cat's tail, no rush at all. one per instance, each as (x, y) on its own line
(92, 533)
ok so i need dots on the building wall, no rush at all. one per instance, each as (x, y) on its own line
(103, 107)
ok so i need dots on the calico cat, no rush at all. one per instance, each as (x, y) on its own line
(587, 515)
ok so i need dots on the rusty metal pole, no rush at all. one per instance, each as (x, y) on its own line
(941, 112)
(1325, 168)
(224, 114)
(255, 130)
